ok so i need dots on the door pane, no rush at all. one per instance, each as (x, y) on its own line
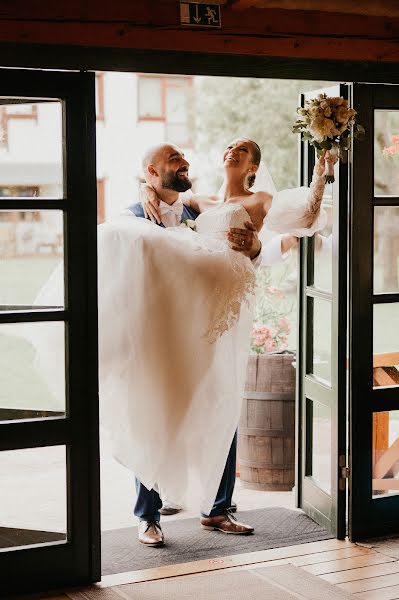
(33, 502)
(32, 370)
(323, 257)
(386, 151)
(31, 247)
(320, 364)
(321, 446)
(385, 453)
(386, 345)
(386, 249)
(31, 145)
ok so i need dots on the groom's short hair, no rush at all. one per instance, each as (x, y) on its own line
(150, 155)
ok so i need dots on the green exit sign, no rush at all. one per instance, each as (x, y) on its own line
(200, 15)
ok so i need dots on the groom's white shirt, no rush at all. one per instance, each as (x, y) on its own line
(171, 213)
(271, 253)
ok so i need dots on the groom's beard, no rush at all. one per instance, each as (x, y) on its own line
(172, 181)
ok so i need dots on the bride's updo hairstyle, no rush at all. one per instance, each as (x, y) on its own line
(256, 157)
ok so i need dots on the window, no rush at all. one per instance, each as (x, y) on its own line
(21, 110)
(100, 116)
(14, 110)
(100, 200)
(168, 100)
(19, 191)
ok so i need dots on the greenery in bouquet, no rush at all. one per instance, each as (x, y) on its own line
(271, 328)
(328, 124)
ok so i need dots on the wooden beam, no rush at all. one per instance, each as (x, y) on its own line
(173, 38)
(382, 8)
(387, 359)
(380, 437)
(385, 484)
(387, 461)
(147, 25)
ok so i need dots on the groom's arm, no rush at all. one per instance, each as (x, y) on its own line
(247, 241)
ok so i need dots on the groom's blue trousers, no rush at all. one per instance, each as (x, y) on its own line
(148, 501)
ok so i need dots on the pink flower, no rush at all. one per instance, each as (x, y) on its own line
(394, 149)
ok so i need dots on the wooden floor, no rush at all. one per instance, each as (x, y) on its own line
(368, 571)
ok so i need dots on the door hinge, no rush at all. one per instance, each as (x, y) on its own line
(345, 472)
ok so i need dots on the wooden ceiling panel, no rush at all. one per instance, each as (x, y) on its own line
(376, 8)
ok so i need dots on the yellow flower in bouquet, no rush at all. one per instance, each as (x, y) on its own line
(328, 123)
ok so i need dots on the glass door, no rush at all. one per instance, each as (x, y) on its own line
(49, 501)
(374, 308)
(321, 371)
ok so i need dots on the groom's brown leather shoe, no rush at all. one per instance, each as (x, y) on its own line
(227, 523)
(150, 533)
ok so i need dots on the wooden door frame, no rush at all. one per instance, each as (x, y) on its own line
(85, 58)
(373, 516)
(76, 58)
(329, 510)
(77, 561)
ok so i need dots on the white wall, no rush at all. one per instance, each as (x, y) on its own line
(122, 141)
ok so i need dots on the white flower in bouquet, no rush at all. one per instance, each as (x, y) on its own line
(327, 123)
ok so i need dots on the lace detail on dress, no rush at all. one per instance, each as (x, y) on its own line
(298, 211)
(228, 305)
(315, 197)
(227, 297)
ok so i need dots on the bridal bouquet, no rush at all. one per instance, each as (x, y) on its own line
(327, 123)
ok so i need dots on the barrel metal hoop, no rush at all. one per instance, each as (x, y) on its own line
(254, 432)
(248, 395)
(266, 465)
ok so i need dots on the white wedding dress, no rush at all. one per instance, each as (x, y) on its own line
(174, 321)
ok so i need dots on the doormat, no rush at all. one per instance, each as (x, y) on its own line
(185, 541)
(284, 582)
(11, 537)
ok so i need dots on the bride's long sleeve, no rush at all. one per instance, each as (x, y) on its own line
(298, 210)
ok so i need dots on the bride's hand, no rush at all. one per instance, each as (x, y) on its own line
(150, 202)
(321, 163)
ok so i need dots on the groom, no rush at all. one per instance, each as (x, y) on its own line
(166, 170)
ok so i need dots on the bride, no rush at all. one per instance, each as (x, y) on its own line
(174, 321)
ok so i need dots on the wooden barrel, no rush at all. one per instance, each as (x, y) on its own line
(266, 433)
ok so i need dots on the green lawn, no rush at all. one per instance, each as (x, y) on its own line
(21, 385)
(22, 278)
